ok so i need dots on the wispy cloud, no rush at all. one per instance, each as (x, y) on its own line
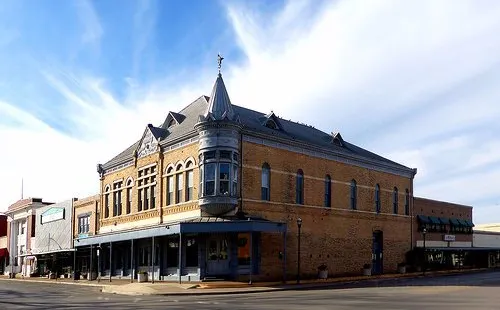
(88, 17)
(144, 22)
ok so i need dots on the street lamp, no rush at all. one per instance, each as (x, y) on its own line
(299, 225)
(424, 232)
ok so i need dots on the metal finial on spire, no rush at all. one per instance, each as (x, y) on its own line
(219, 60)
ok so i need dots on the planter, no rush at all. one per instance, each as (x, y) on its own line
(367, 271)
(142, 277)
(323, 274)
(401, 269)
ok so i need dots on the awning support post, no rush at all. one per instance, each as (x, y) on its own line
(180, 258)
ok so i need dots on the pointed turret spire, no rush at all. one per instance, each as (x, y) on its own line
(219, 105)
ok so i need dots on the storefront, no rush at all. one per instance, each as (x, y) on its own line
(192, 250)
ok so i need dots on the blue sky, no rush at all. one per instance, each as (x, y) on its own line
(415, 81)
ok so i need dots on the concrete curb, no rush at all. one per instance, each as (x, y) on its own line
(292, 287)
(114, 289)
(53, 282)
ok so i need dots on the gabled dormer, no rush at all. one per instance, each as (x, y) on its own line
(172, 120)
(149, 141)
(337, 139)
(271, 121)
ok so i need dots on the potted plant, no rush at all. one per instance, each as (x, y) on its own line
(142, 276)
(367, 270)
(402, 267)
(322, 271)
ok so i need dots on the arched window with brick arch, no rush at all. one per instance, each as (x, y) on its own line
(106, 201)
(299, 187)
(189, 180)
(265, 191)
(354, 195)
(395, 200)
(378, 206)
(407, 202)
(170, 185)
(328, 191)
(179, 183)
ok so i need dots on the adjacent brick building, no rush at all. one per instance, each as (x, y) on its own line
(447, 230)
(217, 190)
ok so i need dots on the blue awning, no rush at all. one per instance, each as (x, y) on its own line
(423, 219)
(444, 220)
(198, 225)
(434, 220)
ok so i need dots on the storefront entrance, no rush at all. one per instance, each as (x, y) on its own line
(218, 255)
(377, 252)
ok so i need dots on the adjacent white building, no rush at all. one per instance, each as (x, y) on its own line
(21, 234)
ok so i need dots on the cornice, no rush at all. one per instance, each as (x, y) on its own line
(312, 150)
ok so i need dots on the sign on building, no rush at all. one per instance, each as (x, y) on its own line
(449, 237)
(51, 215)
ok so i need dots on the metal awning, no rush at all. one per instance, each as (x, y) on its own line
(197, 225)
(53, 252)
(469, 223)
(434, 220)
(444, 220)
(423, 219)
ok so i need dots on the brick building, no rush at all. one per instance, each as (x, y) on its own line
(447, 230)
(216, 190)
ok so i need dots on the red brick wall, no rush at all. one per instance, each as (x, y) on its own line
(429, 207)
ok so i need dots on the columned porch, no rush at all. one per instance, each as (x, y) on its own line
(193, 250)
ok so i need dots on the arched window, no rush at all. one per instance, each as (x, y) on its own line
(266, 182)
(395, 201)
(129, 196)
(271, 124)
(179, 184)
(106, 201)
(189, 181)
(354, 195)
(170, 186)
(117, 198)
(377, 198)
(407, 202)
(328, 191)
(299, 187)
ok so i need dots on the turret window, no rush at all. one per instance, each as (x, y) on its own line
(224, 179)
(210, 179)
(219, 173)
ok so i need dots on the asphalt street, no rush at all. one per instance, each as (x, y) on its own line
(468, 291)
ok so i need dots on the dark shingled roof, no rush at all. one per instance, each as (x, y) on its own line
(253, 121)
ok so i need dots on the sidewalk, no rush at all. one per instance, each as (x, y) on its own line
(124, 287)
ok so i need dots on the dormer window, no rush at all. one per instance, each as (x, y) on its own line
(271, 124)
(271, 121)
(171, 123)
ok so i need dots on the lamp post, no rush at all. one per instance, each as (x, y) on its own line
(299, 225)
(424, 232)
